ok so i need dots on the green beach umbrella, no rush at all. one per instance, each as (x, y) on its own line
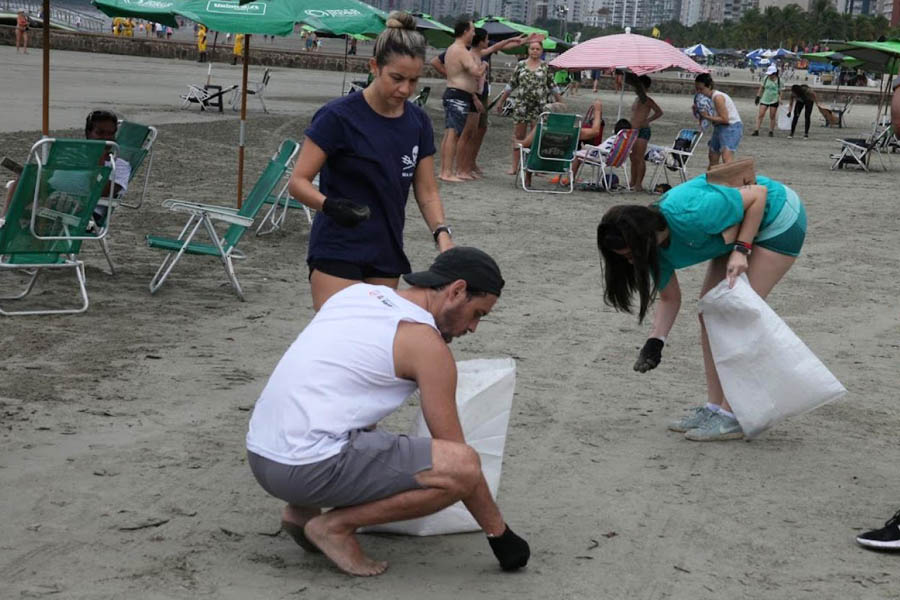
(499, 28)
(882, 57)
(336, 17)
(271, 17)
(436, 33)
(158, 11)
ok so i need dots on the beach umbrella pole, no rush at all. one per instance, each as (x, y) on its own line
(621, 97)
(45, 108)
(344, 80)
(240, 183)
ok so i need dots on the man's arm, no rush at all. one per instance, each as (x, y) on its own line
(655, 111)
(474, 67)
(422, 355)
(504, 45)
(439, 66)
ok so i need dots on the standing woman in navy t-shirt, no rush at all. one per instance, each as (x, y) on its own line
(369, 148)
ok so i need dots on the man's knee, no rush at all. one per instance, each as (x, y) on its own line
(462, 464)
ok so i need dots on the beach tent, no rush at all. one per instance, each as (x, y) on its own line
(629, 52)
(755, 56)
(699, 51)
(780, 53)
(271, 17)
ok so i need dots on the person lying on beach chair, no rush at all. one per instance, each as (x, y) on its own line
(312, 442)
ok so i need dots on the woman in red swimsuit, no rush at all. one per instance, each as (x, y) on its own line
(22, 32)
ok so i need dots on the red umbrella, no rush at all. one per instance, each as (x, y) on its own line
(629, 52)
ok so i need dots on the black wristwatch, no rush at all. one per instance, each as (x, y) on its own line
(437, 231)
(743, 247)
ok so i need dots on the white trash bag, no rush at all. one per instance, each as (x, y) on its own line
(767, 372)
(784, 121)
(484, 393)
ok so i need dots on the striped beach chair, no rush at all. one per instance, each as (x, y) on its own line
(603, 163)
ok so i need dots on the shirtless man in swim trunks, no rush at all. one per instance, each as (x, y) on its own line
(463, 73)
(644, 111)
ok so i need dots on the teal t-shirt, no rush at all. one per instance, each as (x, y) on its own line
(698, 212)
(771, 91)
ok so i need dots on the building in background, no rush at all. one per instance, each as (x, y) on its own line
(691, 12)
(859, 7)
(890, 10)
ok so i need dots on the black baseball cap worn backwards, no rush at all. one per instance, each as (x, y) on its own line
(472, 265)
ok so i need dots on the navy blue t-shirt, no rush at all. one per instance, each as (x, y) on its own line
(371, 161)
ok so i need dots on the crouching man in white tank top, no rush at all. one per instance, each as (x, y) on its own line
(312, 442)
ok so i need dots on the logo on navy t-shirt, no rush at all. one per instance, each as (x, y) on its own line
(409, 162)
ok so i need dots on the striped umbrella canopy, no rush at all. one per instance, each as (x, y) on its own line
(627, 51)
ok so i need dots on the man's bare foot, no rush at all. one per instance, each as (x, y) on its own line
(637, 188)
(466, 176)
(342, 548)
(293, 518)
(477, 170)
(450, 178)
(512, 172)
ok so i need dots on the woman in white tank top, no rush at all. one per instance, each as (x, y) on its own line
(727, 126)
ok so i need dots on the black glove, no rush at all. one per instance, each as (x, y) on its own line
(650, 355)
(756, 100)
(511, 550)
(345, 212)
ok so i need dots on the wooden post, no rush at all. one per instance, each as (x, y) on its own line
(45, 114)
(240, 194)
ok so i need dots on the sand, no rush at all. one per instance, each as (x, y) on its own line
(122, 462)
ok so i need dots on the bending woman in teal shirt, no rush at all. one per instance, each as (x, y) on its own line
(757, 229)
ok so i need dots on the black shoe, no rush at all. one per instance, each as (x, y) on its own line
(886, 538)
(755, 133)
(771, 134)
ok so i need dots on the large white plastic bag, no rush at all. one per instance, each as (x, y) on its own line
(767, 372)
(784, 121)
(484, 393)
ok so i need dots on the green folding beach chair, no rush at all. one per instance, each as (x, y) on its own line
(224, 247)
(135, 143)
(552, 150)
(422, 97)
(54, 198)
(135, 146)
(279, 203)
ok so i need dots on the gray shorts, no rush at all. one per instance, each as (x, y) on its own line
(373, 465)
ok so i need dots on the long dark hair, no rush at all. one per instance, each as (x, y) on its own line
(630, 227)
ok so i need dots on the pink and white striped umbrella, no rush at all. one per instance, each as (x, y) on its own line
(637, 53)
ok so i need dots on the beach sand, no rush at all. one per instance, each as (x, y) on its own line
(122, 461)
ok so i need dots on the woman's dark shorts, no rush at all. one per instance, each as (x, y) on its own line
(348, 270)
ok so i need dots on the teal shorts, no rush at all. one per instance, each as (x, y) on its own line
(786, 233)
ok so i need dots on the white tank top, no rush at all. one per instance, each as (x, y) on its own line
(733, 116)
(336, 377)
